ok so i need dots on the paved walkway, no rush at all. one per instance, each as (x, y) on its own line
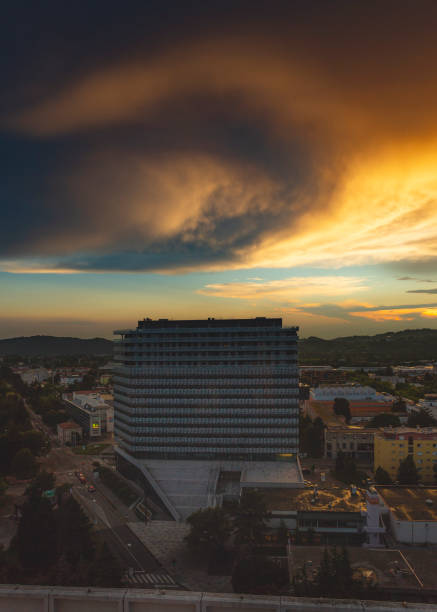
(165, 540)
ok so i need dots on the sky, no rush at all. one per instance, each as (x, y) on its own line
(226, 159)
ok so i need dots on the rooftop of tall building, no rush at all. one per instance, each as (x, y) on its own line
(211, 322)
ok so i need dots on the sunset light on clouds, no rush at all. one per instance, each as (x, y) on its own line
(223, 162)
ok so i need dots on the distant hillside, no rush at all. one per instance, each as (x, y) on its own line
(390, 348)
(51, 346)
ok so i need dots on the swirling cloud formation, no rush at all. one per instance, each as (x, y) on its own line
(302, 137)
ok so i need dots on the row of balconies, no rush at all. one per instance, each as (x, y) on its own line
(272, 443)
(202, 360)
(219, 332)
(205, 383)
(208, 452)
(225, 343)
(219, 430)
(203, 410)
(221, 401)
(233, 392)
(230, 372)
(195, 421)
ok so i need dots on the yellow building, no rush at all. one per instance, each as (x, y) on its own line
(394, 444)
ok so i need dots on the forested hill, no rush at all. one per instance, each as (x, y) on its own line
(410, 345)
(50, 346)
(390, 348)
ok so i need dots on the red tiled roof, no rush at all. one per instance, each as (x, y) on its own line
(69, 425)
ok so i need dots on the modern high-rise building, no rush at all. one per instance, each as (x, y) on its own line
(207, 389)
(200, 405)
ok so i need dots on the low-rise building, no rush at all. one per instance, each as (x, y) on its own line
(352, 440)
(429, 404)
(412, 513)
(329, 515)
(91, 411)
(70, 379)
(364, 401)
(392, 380)
(33, 375)
(413, 371)
(392, 445)
(69, 433)
(321, 375)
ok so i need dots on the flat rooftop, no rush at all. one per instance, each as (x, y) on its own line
(388, 567)
(274, 474)
(409, 503)
(211, 322)
(352, 429)
(334, 499)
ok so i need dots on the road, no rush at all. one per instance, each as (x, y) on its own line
(110, 520)
(141, 568)
(38, 424)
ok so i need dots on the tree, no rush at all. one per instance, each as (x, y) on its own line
(105, 571)
(334, 577)
(384, 419)
(250, 516)
(326, 573)
(342, 571)
(421, 419)
(407, 472)
(340, 462)
(73, 532)
(341, 406)
(35, 540)
(399, 405)
(3, 487)
(89, 380)
(256, 574)
(34, 440)
(316, 438)
(282, 533)
(346, 469)
(24, 464)
(311, 436)
(44, 481)
(382, 477)
(210, 528)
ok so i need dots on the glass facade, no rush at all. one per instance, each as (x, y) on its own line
(210, 389)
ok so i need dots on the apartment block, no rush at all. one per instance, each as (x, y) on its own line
(393, 445)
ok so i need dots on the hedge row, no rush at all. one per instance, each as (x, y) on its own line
(117, 485)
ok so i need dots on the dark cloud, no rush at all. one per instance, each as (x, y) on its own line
(419, 280)
(432, 291)
(169, 135)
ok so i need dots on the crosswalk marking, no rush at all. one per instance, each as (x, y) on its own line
(157, 580)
